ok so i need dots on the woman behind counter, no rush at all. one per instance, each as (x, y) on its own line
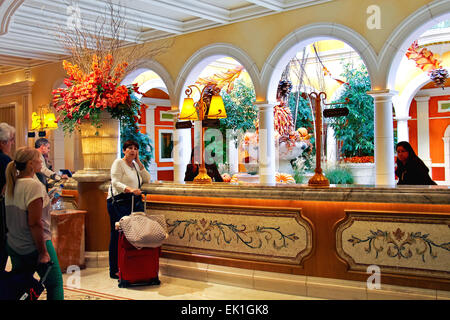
(410, 169)
(127, 176)
(28, 220)
(193, 168)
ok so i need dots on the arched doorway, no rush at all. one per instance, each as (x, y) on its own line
(421, 116)
(324, 64)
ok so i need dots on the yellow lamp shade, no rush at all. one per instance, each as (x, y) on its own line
(217, 108)
(188, 111)
(50, 121)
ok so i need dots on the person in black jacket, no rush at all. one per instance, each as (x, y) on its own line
(192, 170)
(410, 169)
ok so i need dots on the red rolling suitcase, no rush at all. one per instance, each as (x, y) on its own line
(137, 266)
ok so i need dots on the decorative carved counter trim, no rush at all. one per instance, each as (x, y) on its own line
(356, 193)
(276, 235)
(398, 242)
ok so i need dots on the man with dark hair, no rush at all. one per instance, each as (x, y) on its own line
(43, 146)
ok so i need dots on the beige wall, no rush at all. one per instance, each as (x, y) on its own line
(257, 38)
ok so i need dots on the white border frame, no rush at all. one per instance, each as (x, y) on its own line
(161, 112)
(160, 145)
(440, 103)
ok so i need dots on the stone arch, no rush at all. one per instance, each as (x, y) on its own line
(297, 39)
(203, 57)
(412, 27)
(402, 102)
(166, 83)
(7, 10)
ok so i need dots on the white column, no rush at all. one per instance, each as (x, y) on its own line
(384, 137)
(423, 130)
(266, 144)
(150, 129)
(150, 124)
(402, 129)
(197, 137)
(232, 152)
(331, 147)
(447, 158)
(181, 152)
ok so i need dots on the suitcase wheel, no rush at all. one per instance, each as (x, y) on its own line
(154, 282)
(124, 284)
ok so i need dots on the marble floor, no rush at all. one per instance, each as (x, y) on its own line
(96, 283)
(171, 288)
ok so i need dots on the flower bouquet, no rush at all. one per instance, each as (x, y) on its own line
(89, 94)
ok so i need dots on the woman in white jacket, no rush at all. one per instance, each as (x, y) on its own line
(127, 176)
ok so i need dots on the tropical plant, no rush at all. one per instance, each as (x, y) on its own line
(241, 117)
(356, 130)
(145, 143)
(240, 107)
(339, 175)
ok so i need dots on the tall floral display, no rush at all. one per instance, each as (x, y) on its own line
(88, 95)
(94, 103)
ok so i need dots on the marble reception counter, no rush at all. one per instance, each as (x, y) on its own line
(335, 232)
(352, 193)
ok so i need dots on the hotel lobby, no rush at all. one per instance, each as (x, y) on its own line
(251, 237)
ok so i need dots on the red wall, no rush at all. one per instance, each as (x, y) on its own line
(437, 129)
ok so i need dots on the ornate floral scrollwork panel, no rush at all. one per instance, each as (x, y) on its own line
(397, 242)
(251, 233)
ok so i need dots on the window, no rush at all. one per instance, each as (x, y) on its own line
(444, 106)
(165, 145)
(165, 116)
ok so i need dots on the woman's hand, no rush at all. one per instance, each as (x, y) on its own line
(138, 161)
(137, 192)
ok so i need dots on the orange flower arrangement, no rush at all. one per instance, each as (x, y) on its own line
(364, 159)
(87, 95)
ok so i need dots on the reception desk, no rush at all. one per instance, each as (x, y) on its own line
(338, 232)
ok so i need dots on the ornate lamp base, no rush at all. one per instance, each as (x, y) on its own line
(318, 180)
(202, 176)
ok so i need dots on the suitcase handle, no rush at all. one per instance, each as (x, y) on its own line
(48, 266)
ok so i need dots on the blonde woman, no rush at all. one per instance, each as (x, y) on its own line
(28, 221)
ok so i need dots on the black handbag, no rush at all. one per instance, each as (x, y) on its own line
(125, 198)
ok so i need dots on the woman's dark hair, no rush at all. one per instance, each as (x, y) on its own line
(408, 148)
(130, 143)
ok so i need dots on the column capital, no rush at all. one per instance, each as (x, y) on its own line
(422, 98)
(383, 94)
(263, 105)
(402, 118)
